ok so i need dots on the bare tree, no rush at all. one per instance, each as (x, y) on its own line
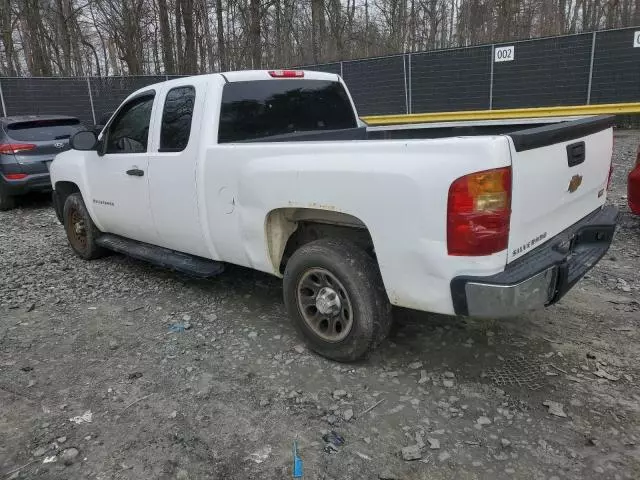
(222, 51)
(33, 37)
(317, 22)
(7, 25)
(167, 40)
(255, 38)
(74, 37)
(189, 56)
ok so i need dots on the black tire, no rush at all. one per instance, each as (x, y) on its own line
(7, 202)
(81, 231)
(56, 207)
(358, 275)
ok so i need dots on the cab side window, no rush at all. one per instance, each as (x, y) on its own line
(176, 119)
(129, 131)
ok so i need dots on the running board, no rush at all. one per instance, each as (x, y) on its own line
(162, 257)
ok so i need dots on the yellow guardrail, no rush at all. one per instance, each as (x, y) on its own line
(577, 110)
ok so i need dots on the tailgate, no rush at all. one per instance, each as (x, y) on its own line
(560, 175)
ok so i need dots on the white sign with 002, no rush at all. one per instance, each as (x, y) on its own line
(504, 54)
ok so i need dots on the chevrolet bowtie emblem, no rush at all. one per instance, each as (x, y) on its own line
(575, 183)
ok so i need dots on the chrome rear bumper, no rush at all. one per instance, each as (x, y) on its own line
(531, 294)
(540, 277)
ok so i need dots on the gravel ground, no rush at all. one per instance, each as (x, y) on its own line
(551, 395)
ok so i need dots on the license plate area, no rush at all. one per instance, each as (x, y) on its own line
(593, 234)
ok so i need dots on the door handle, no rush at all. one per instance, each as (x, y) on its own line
(136, 172)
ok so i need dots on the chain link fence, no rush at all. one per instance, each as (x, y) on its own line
(589, 68)
(87, 98)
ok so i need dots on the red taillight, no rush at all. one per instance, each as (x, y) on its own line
(15, 176)
(286, 73)
(479, 212)
(16, 147)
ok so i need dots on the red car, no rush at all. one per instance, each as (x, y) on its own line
(633, 187)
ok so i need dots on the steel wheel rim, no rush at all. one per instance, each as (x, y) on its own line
(324, 305)
(77, 230)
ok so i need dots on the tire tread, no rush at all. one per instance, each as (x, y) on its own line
(368, 290)
(93, 250)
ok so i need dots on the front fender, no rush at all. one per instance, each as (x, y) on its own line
(70, 166)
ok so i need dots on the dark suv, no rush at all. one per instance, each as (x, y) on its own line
(27, 145)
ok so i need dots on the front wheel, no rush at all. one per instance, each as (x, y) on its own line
(335, 297)
(81, 231)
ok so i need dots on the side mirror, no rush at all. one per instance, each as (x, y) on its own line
(86, 140)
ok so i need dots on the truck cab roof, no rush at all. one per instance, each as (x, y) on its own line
(248, 75)
(242, 76)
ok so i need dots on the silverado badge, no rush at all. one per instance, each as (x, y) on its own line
(575, 182)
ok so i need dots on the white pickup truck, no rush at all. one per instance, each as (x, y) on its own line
(273, 170)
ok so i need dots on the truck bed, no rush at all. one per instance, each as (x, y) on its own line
(552, 130)
(527, 134)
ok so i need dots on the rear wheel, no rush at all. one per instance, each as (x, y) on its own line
(81, 231)
(7, 202)
(335, 297)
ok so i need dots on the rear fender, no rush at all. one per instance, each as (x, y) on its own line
(282, 223)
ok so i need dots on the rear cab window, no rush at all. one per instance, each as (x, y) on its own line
(176, 119)
(43, 130)
(264, 108)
